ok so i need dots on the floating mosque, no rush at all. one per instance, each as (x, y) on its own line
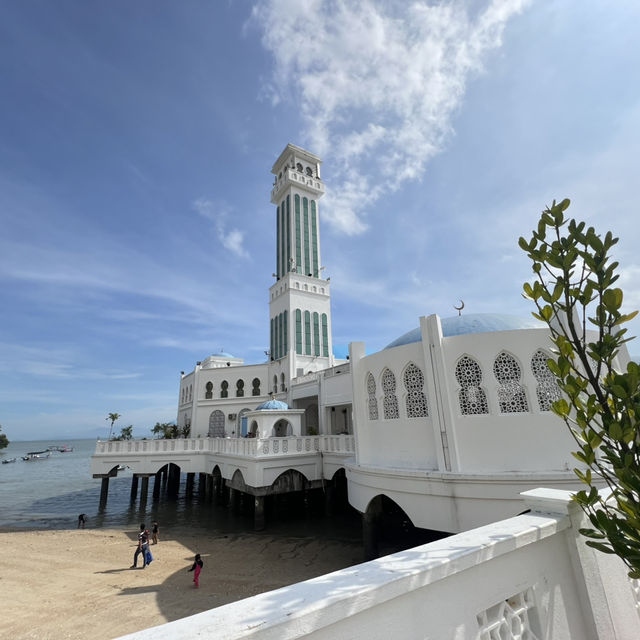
(448, 430)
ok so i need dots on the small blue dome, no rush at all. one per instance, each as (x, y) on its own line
(472, 323)
(272, 405)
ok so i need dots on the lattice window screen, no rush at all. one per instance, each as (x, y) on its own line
(472, 398)
(547, 388)
(511, 395)
(390, 401)
(371, 393)
(416, 400)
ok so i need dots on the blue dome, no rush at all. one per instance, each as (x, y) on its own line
(472, 323)
(272, 405)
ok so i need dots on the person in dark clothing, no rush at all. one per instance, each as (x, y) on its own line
(143, 545)
(197, 567)
(82, 519)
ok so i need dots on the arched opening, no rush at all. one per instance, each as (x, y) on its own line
(216, 424)
(253, 430)
(388, 529)
(242, 427)
(282, 429)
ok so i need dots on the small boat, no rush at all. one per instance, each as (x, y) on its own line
(36, 455)
(62, 449)
(8, 460)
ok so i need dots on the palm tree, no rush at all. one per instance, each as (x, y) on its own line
(113, 417)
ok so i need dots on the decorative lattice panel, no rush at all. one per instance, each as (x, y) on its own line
(511, 395)
(547, 389)
(511, 619)
(390, 401)
(416, 400)
(371, 393)
(472, 398)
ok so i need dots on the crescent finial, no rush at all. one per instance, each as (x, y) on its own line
(460, 308)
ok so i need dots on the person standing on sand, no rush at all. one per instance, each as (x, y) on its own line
(197, 567)
(143, 545)
(154, 533)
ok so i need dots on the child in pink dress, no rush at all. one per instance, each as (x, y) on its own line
(197, 567)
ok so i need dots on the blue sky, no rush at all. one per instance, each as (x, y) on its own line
(136, 141)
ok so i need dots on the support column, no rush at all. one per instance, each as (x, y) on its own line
(157, 483)
(210, 488)
(215, 489)
(370, 535)
(104, 493)
(134, 487)
(202, 486)
(233, 500)
(144, 490)
(173, 482)
(258, 514)
(329, 497)
(189, 486)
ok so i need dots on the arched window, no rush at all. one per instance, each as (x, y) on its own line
(472, 398)
(190, 392)
(241, 428)
(373, 401)
(224, 389)
(296, 203)
(416, 400)
(239, 388)
(282, 383)
(316, 334)
(308, 171)
(325, 336)
(255, 391)
(305, 236)
(208, 390)
(307, 333)
(511, 395)
(547, 388)
(390, 400)
(275, 384)
(298, 331)
(216, 424)
(299, 167)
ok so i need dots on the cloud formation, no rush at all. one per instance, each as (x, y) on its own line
(377, 83)
(232, 239)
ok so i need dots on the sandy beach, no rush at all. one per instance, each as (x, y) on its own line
(78, 584)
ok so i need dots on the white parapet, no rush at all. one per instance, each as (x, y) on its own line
(529, 576)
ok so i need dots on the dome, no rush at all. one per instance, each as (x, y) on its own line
(472, 323)
(272, 405)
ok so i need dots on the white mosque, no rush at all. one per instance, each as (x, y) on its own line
(449, 426)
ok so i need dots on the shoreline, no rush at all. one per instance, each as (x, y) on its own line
(76, 583)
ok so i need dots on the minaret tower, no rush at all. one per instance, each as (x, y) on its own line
(299, 300)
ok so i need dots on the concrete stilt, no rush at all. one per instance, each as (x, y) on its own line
(370, 535)
(189, 485)
(173, 481)
(144, 490)
(209, 488)
(134, 487)
(104, 493)
(233, 500)
(258, 514)
(157, 483)
(215, 489)
(202, 486)
(329, 496)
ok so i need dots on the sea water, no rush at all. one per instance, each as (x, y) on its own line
(52, 492)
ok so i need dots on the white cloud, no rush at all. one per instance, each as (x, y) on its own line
(377, 83)
(217, 213)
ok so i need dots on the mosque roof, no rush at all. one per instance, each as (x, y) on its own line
(273, 405)
(472, 323)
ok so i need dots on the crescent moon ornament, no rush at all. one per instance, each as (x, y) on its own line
(460, 308)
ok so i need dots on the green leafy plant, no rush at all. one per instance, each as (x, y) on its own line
(4, 441)
(113, 417)
(126, 433)
(574, 294)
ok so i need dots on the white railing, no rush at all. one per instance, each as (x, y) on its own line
(249, 447)
(531, 576)
(337, 370)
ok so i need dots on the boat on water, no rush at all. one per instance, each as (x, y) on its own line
(8, 460)
(36, 455)
(62, 449)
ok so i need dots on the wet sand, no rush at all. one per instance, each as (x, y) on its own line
(77, 584)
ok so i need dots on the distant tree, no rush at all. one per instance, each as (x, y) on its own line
(4, 441)
(126, 433)
(165, 430)
(113, 417)
(185, 432)
(573, 292)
